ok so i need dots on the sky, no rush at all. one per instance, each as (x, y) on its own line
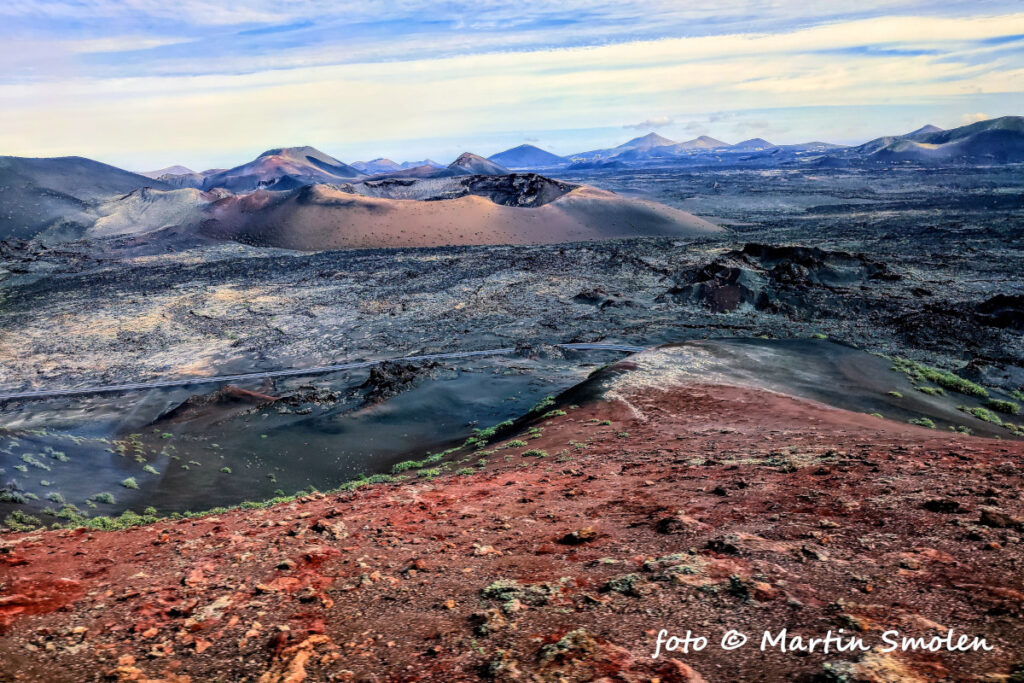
(144, 84)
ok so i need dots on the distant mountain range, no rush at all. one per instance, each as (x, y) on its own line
(992, 141)
(60, 195)
(655, 149)
(996, 141)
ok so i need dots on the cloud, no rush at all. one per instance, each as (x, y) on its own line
(183, 99)
(974, 118)
(652, 123)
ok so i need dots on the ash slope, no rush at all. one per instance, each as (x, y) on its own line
(744, 506)
(323, 217)
(37, 194)
(465, 210)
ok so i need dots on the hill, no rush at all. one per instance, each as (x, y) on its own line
(699, 143)
(472, 164)
(422, 162)
(170, 170)
(527, 157)
(36, 193)
(752, 145)
(513, 209)
(284, 168)
(376, 166)
(637, 146)
(995, 141)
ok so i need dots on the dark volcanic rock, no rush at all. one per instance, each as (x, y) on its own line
(226, 398)
(392, 378)
(811, 265)
(602, 299)
(723, 288)
(777, 279)
(518, 189)
(1002, 310)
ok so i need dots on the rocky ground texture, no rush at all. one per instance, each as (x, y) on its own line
(917, 263)
(557, 552)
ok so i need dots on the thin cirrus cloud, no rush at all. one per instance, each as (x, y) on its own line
(138, 80)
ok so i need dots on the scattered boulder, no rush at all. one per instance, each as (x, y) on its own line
(392, 378)
(997, 519)
(723, 288)
(943, 505)
(580, 536)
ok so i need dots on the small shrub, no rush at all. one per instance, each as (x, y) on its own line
(553, 413)
(515, 444)
(1006, 407)
(150, 469)
(104, 497)
(225, 470)
(465, 471)
(544, 403)
(16, 497)
(923, 422)
(31, 460)
(627, 585)
(895, 394)
(931, 391)
(485, 434)
(944, 378)
(819, 335)
(535, 453)
(130, 483)
(984, 414)
(19, 521)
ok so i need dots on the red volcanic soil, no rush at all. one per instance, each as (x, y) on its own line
(703, 508)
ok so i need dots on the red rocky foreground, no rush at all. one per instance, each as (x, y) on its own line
(701, 508)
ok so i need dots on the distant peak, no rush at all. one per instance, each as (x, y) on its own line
(467, 157)
(652, 137)
(291, 151)
(170, 170)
